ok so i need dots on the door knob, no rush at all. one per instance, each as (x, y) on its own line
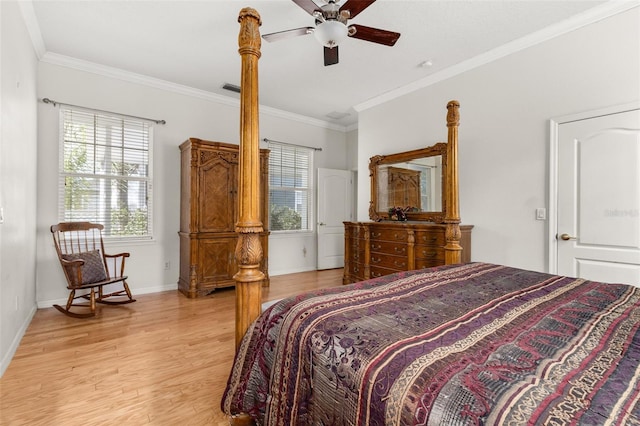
(567, 237)
(322, 224)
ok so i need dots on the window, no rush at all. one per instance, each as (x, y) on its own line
(105, 172)
(290, 187)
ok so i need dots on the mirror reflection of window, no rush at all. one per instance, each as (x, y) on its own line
(425, 188)
(430, 182)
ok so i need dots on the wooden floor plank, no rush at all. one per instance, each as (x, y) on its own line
(163, 360)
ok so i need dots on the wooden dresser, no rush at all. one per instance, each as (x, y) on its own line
(209, 212)
(373, 249)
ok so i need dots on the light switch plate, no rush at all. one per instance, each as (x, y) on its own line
(541, 213)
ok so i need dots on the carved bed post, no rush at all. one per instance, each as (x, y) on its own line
(452, 249)
(248, 249)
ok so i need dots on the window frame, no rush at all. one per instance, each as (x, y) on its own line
(310, 189)
(63, 174)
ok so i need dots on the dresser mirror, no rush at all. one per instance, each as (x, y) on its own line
(412, 181)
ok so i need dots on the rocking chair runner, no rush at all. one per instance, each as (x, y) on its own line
(86, 266)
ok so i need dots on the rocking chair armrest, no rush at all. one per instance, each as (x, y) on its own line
(114, 266)
(74, 271)
(76, 263)
(117, 255)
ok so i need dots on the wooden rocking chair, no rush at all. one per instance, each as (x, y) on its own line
(86, 266)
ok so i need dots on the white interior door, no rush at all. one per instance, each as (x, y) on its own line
(598, 215)
(335, 193)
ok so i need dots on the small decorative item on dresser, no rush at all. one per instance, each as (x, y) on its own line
(399, 213)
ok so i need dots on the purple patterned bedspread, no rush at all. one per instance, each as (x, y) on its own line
(474, 344)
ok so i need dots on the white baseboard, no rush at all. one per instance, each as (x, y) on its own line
(290, 271)
(144, 290)
(155, 289)
(8, 356)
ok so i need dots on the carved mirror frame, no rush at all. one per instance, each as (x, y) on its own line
(374, 165)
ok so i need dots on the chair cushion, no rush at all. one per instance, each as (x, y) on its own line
(93, 268)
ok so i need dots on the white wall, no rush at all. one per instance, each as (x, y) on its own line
(186, 116)
(18, 137)
(505, 110)
(352, 164)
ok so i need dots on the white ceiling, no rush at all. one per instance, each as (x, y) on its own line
(194, 44)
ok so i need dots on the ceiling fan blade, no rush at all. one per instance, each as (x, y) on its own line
(330, 55)
(308, 5)
(376, 35)
(280, 35)
(356, 6)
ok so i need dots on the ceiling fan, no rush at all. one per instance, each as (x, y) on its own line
(331, 27)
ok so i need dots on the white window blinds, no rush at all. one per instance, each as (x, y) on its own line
(290, 187)
(105, 172)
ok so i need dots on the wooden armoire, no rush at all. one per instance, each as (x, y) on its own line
(209, 212)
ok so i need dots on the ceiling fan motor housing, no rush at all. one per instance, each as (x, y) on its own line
(331, 33)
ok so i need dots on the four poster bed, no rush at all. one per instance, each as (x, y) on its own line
(457, 344)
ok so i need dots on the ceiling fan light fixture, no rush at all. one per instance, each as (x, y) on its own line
(331, 33)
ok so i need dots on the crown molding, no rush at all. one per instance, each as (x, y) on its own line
(131, 77)
(352, 127)
(111, 72)
(598, 13)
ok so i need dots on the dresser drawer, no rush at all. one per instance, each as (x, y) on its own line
(429, 253)
(387, 234)
(428, 263)
(357, 232)
(397, 263)
(356, 247)
(376, 271)
(358, 255)
(356, 269)
(387, 247)
(436, 239)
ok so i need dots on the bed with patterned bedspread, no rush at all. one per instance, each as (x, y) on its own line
(472, 344)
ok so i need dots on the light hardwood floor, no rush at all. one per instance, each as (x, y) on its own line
(163, 360)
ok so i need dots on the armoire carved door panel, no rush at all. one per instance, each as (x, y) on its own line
(217, 197)
(216, 258)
